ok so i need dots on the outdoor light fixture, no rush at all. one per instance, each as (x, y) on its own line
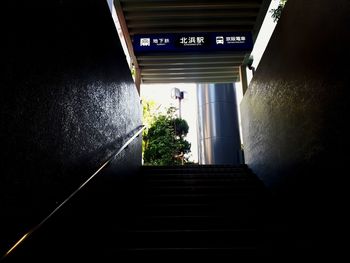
(177, 94)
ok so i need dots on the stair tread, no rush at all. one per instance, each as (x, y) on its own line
(196, 248)
(191, 230)
(192, 210)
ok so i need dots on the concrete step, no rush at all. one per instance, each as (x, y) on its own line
(224, 198)
(242, 181)
(195, 209)
(196, 174)
(214, 238)
(241, 253)
(202, 189)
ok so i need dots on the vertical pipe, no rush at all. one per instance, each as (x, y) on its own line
(218, 127)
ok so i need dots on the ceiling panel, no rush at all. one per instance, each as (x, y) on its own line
(180, 16)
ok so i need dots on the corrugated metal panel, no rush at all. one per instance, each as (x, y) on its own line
(169, 16)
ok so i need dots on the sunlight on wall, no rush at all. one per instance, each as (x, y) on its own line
(120, 32)
(239, 96)
(263, 38)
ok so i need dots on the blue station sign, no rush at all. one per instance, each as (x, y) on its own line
(195, 42)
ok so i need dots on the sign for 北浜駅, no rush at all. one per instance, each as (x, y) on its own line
(197, 42)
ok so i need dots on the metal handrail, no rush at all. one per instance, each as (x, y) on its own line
(125, 145)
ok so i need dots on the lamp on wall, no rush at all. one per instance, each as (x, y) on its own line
(177, 94)
(250, 65)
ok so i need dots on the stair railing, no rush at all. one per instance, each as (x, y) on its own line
(106, 163)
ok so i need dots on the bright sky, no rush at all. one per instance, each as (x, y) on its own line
(161, 94)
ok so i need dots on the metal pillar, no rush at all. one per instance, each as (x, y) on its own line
(218, 129)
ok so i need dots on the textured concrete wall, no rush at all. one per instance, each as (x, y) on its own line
(67, 102)
(295, 112)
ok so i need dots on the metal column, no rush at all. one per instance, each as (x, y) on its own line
(218, 129)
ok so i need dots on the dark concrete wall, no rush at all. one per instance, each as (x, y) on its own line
(295, 113)
(67, 102)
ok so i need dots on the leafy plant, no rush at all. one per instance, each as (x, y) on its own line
(276, 13)
(164, 141)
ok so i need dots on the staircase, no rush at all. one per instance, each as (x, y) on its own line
(164, 213)
(196, 211)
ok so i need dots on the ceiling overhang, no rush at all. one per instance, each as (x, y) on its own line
(181, 16)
